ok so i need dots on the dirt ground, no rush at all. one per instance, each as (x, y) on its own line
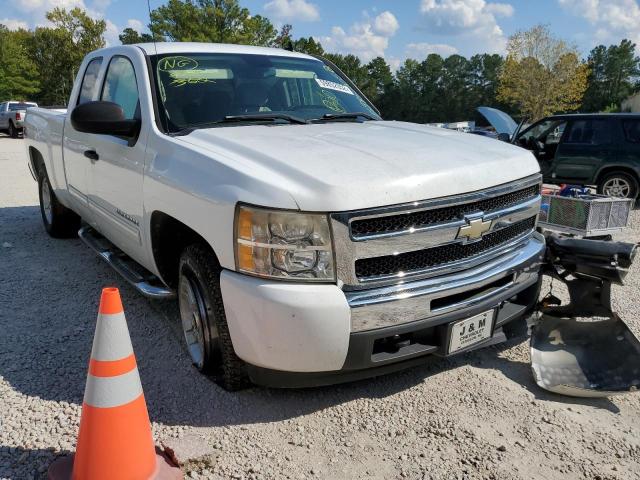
(478, 415)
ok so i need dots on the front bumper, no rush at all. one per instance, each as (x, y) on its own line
(294, 335)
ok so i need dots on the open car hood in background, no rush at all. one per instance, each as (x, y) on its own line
(502, 122)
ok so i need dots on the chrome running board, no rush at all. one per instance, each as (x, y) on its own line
(139, 277)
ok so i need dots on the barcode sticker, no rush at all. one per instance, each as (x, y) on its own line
(334, 86)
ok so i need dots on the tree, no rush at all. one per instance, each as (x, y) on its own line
(18, 73)
(613, 72)
(379, 80)
(130, 36)
(542, 75)
(308, 46)
(220, 21)
(58, 51)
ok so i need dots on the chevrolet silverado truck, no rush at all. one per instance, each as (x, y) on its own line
(307, 240)
(12, 117)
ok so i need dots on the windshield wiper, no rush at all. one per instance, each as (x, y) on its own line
(249, 118)
(327, 117)
(262, 117)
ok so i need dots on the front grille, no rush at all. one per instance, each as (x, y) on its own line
(405, 221)
(441, 255)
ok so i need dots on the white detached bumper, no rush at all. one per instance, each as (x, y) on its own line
(287, 326)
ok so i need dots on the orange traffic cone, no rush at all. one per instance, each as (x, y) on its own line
(115, 440)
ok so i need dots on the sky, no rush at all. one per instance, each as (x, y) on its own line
(394, 29)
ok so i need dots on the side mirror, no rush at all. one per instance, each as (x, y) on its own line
(104, 118)
(504, 137)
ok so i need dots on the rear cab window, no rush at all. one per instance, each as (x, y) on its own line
(89, 81)
(16, 107)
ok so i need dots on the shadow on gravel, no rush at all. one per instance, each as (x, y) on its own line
(14, 459)
(49, 292)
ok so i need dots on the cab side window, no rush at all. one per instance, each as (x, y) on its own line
(120, 87)
(631, 130)
(589, 132)
(88, 85)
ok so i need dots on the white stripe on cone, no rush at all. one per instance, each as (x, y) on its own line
(106, 392)
(111, 340)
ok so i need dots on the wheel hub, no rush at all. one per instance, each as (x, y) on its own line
(617, 187)
(192, 313)
(46, 201)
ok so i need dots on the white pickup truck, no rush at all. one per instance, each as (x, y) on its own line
(307, 240)
(12, 116)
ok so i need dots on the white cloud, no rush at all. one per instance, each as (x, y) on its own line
(13, 24)
(613, 19)
(135, 24)
(300, 10)
(366, 39)
(474, 21)
(386, 24)
(111, 34)
(419, 51)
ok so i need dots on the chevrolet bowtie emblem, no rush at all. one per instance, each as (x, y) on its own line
(474, 229)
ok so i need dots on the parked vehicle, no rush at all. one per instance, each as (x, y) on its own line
(307, 240)
(601, 150)
(12, 117)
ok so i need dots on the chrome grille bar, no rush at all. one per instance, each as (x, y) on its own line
(350, 248)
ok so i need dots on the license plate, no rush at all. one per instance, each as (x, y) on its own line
(470, 331)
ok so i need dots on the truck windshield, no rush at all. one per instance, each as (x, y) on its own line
(197, 90)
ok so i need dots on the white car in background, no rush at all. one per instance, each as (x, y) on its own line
(12, 115)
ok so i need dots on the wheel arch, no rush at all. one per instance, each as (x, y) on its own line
(169, 237)
(616, 168)
(36, 162)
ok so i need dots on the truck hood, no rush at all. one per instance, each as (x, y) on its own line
(345, 166)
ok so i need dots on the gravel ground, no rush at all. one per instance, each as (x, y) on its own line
(478, 415)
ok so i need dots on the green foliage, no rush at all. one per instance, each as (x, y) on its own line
(542, 75)
(58, 51)
(219, 21)
(18, 73)
(130, 36)
(613, 71)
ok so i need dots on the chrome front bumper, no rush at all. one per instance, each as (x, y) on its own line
(516, 269)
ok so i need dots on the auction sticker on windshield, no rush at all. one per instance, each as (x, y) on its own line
(334, 86)
(470, 331)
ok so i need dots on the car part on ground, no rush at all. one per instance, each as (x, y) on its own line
(584, 349)
(584, 214)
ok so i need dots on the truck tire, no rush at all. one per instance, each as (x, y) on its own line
(58, 220)
(204, 323)
(619, 184)
(13, 131)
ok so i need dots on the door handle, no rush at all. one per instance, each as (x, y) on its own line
(92, 155)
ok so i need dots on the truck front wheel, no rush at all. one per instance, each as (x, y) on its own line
(58, 220)
(203, 319)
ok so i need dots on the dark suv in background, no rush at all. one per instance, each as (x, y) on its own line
(587, 149)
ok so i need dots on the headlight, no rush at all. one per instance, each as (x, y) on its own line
(282, 244)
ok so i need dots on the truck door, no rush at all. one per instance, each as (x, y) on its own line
(585, 146)
(76, 164)
(117, 172)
